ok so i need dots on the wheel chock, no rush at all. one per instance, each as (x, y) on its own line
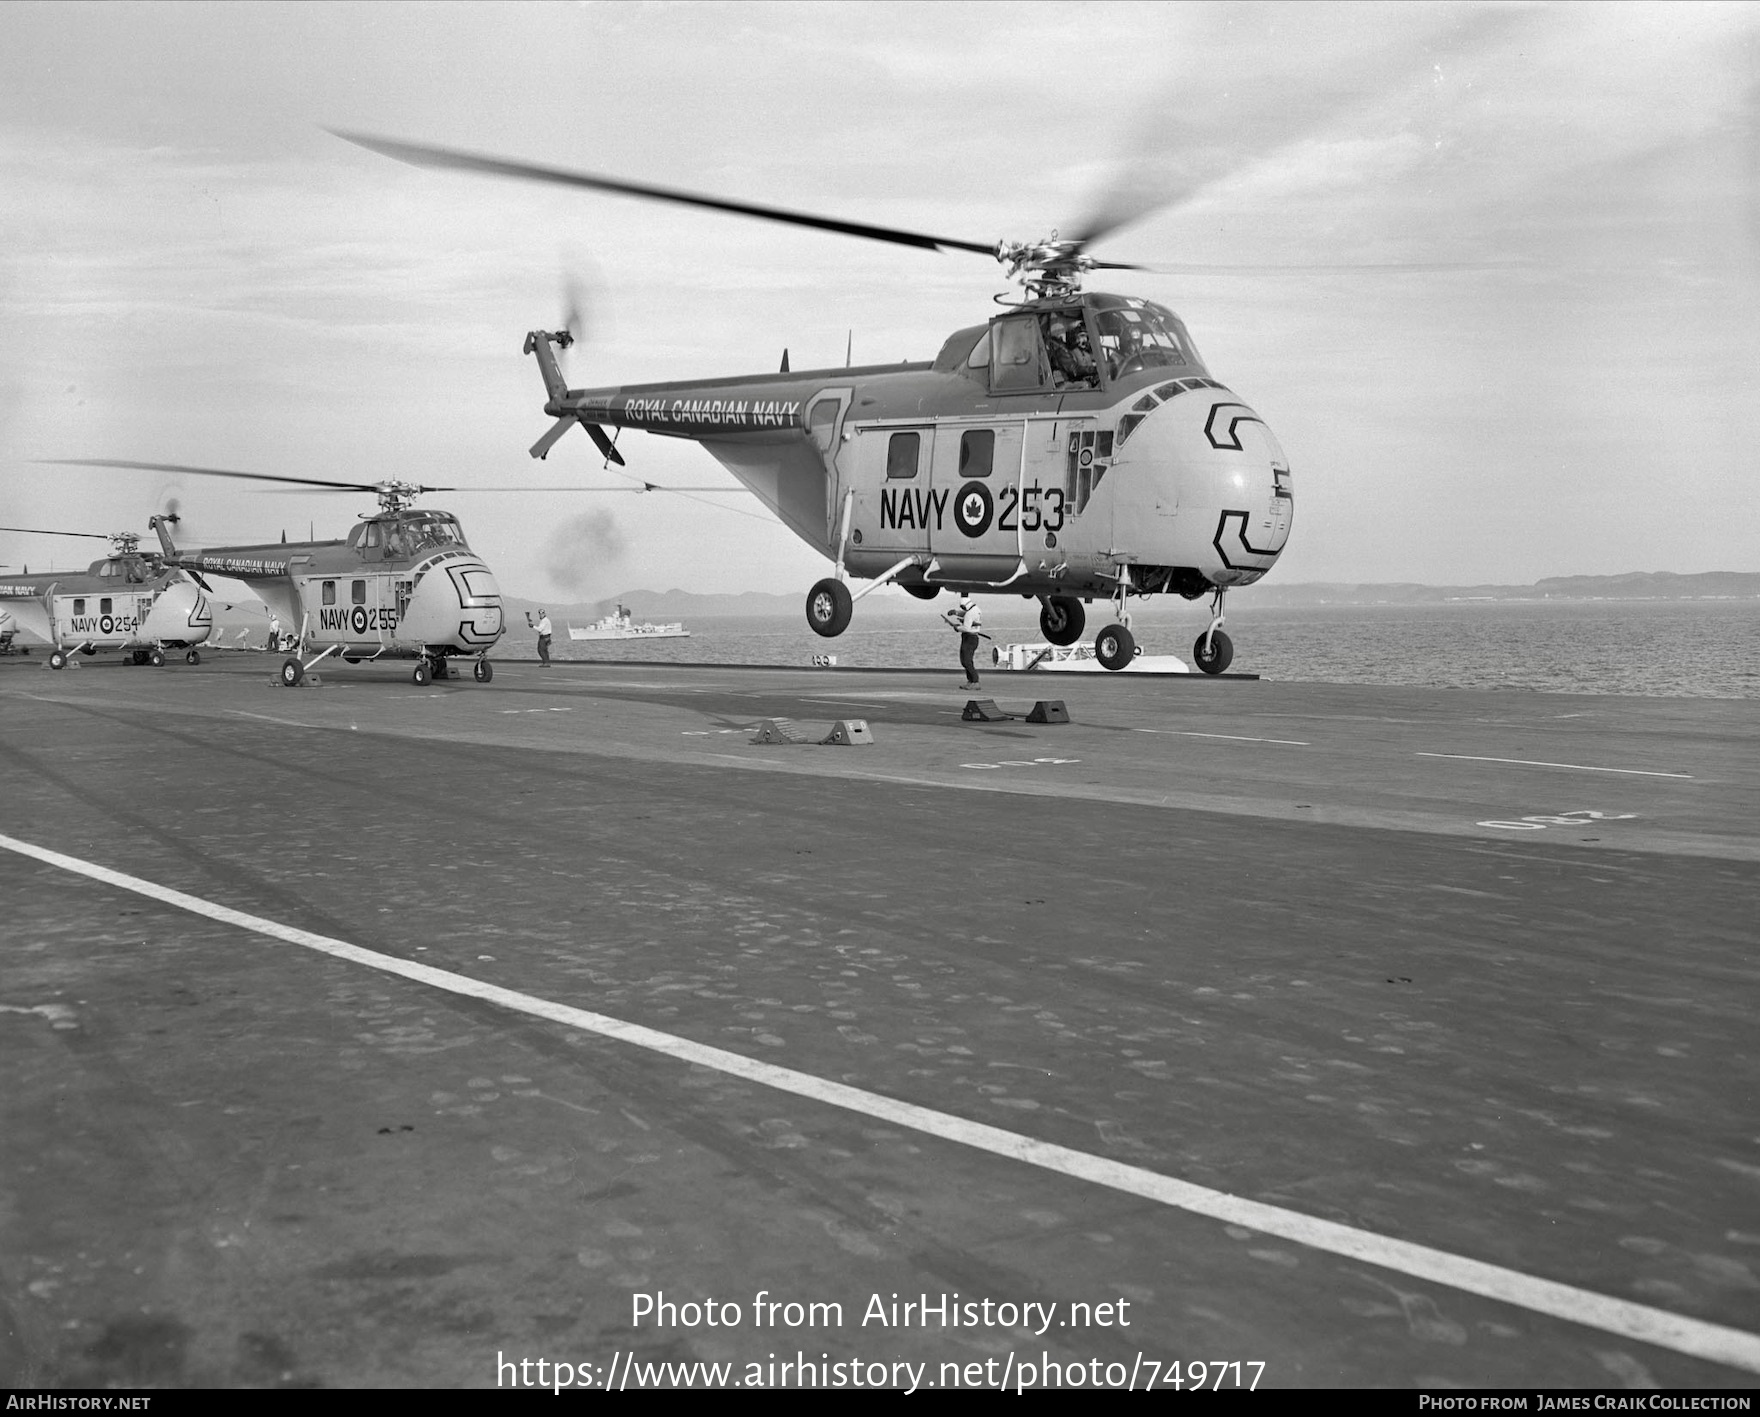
(778, 730)
(847, 732)
(310, 681)
(1048, 711)
(984, 711)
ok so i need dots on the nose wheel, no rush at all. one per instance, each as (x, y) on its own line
(1213, 651)
(482, 671)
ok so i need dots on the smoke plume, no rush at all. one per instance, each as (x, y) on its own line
(583, 548)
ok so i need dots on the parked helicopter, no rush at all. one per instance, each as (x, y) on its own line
(1073, 447)
(403, 585)
(139, 604)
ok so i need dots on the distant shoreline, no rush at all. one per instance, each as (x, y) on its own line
(1635, 586)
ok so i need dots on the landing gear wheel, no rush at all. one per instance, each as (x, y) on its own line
(292, 673)
(923, 592)
(193, 657)
(829, 607)
(156, 658)
(1114, 647)
(1219, 655)
(1061, 619)
(483, 671)
(422, 674)
(57, 660)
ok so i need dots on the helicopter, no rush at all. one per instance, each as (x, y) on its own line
(404, 584)
(1073, 447)
(135, 603)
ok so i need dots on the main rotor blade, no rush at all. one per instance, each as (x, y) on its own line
(217, 472)
(38, 531)
(424, 155)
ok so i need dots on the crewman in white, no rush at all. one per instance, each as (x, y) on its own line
(966, 618)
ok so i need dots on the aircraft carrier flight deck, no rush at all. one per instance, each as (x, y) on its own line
(1231, 1033)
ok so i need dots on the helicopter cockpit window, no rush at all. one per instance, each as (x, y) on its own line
(977, 450)
(109, 568)
(428, 531)
(901, 454)
(1142, 336)
(367, 536)
(1014, 362)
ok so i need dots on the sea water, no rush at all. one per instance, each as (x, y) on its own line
(1662, 648)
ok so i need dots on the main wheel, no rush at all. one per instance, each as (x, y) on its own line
(156, 658)
(483, 671)
(421, 675)
(922, 592)
(57, 660)
(1218, 656)
(1061, 619)
(1114, 647)
(829, 607)
(193, 657)
(292, 673)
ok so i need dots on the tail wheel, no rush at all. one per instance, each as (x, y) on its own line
(292, 673)
(1062, 619)
(422, 674)
(829, 608)
(156, 658)
(1114, 647)
(1216, 656)
(483, 671)
(57, 660)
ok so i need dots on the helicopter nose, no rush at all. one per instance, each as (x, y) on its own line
(1215, 479)
(180, 615)
(455, 605)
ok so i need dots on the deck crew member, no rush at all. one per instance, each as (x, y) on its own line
(966, 618)
(543, 628)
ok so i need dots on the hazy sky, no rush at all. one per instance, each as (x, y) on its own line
(192, 270)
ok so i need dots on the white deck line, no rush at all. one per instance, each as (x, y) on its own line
(1639, 1322)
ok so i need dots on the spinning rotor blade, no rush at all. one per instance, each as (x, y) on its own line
(423, 155)
(318, 482)
(38, 531)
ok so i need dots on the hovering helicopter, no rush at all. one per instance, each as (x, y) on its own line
(136, 603)
(1073, 447)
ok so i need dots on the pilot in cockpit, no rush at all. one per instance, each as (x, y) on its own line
(1066, 342)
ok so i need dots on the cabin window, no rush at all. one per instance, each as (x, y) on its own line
(901, 454)
(977, 450)
(79, 605)
(329, 592)
(104, 606)
(1015, 364)
(358, 591)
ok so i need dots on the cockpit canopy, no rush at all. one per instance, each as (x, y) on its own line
(133, 570)
(1089, 344)
(407, 533)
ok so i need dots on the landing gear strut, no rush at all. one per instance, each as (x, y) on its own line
(1213, 651)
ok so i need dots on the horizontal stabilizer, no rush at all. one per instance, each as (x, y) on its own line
(541, 448)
